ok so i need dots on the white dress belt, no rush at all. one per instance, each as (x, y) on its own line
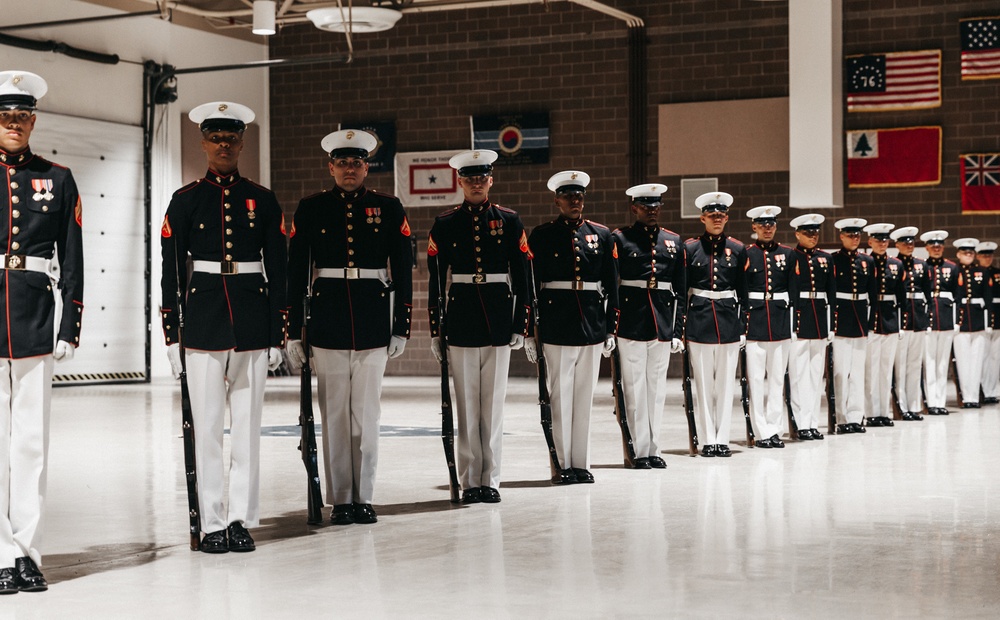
(227, 267)
(782, 296)
(352, 273)
(853, 296)
(943, 294)
(572, 286)
(21, 262)
(700, 292)
(887, 298)
(919, 296)
(480, 278)
(979, 301)
(813, 295)
(650, 283)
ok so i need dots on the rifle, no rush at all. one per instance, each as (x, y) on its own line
(897, 407)
(187, 422)
(447, 421)
(958, 384)
(620, 412)
(745, 396)
(544, 404)
(793, 427)
(831, 399)
(689, 403)
(307, 438)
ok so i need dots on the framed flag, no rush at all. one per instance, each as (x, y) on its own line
(426, 180)
(906, 157)
(517, 138)
(381, 159)
(894, 81)
(980, 183)
(980, 48)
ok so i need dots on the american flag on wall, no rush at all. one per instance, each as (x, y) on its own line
(980, 183)
(980, 48)
(893, 81)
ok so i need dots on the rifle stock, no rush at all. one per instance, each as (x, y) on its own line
(793, 427)
(958, 384)
(689, 403)
(307, 423)
(447, 421)
(544, 404)
(628, 448)
(831, 398)
(190, 473)
(745, 396)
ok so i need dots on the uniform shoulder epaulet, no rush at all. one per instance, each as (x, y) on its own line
(504, 209)
(667, 230)
(382, 194)
(782, 245)
(737, 242)
(450, 212)
(189, 186)
(692, 239)
(597, 224)
(949, 262)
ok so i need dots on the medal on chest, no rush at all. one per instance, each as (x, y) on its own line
(496, 227)
(43, 189)
(251, 209)
(591, 241)
(373, 215)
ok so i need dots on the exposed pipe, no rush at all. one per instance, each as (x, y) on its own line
(59, 48)
(637, 108)
(80, 20)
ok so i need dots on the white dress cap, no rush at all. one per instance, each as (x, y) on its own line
(569, 179)
(934, 236)
(767, 212)
(349, 143)
(966, 243)
(850, 224)
(906, 233)
(473, 163)
(21, 90)
(986, 247)
(221, 115)
(647, 192)
(880, 230)
(716, 199)
(809, 220)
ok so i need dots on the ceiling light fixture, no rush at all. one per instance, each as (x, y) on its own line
(263, 17)
(362, 19)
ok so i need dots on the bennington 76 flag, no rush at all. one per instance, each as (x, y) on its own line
(905, 157)
(895, 81)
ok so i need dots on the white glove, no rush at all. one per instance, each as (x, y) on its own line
(396, 346)
(829, 336)
(436, 349)
(989, 330)
(743, 341)
(957, 327)
(795, 336)
(929, 330)
(296, 354)
(900, 336)
(516, 341)
(64, 351)
(676, 345)
(174, 357)
(531, 350)
(273, 358)
(609, 346)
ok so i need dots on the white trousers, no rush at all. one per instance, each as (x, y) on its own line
(480, 389)
(937, 356)
(766, 364)
(878, 373)
(849, 355)
(970, 353)
(216, 378)
(805, 377)
(909, 369)
(25, 401)
(349, 389)
(571, 378)
(713, 377)
(991, 366)
(644, 381)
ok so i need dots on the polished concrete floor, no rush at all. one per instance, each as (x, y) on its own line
(901, 522)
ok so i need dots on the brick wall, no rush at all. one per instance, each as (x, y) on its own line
(434, 70)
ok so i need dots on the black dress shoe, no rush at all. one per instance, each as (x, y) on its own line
(239, 538)
(8, 581)
(916, 416)
(763, 443)
(657, 463)
(722, 450)
(887, 421)
(489, 495)
(215, 542)
(642, 463)
(843, 429)
(969, 405)
(343, 514)
(857, 428)
(873, 421)
(805, 434)
(776, 442)
(472, 496)
(29, 578)
(364, 513)
(583, 476)
(991, 400)
(566, 476)
(708, 450)
(815, 433)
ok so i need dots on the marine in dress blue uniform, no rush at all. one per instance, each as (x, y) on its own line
(576, 279)
(715, 327)
(652, 303)
(854, 273)
(991, 363)
(914, 325)
(42, 226)
(943, 275)
(885, 333)
(816, 289)
(975, 306)
(231, 230)
(352, 245)
(769, 325)
(485, 247)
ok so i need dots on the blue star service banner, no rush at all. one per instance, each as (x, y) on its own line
(517, 138)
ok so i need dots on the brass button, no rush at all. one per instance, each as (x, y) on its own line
(350, 214)
(350, 252)
(201, 226)
(45, 208)
(13, 184)
(226, 192)
(226, 205)
(350, 239)
(229, 244)
(15, 199)
(229, 257)
(15, 230)
(15, 245)
(349, 227)
(229, 218)
(229, 231)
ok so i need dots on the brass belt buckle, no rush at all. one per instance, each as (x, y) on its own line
(352, 273)
(577, 285)
(478, 278)
(229, 268)
(651, 283)
(15, 261)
